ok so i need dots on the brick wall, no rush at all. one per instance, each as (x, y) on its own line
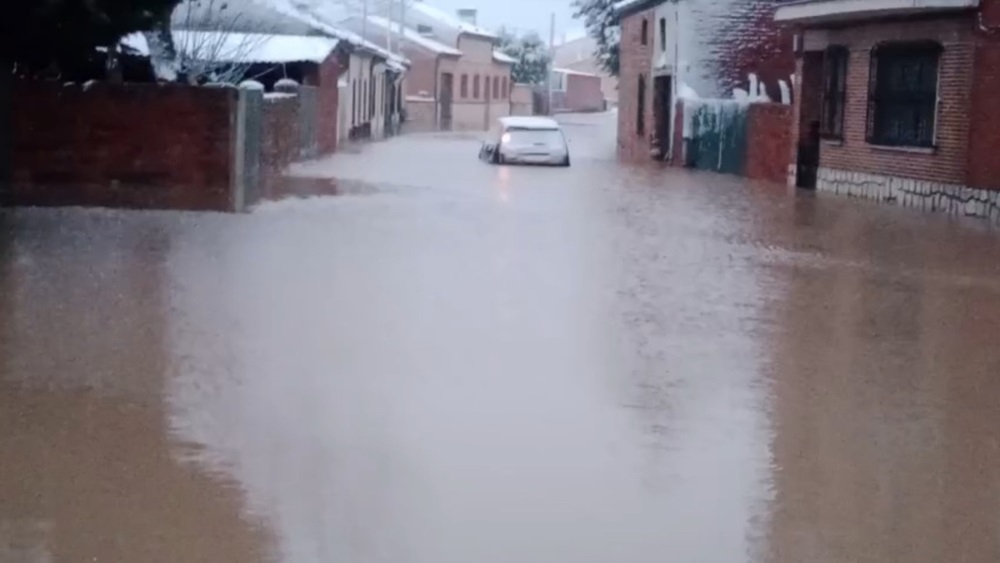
(748, 41)
(984, 134)
(421, 79)
(946, 164)
(141, 146)
(769, 142)
(583, 93)
(281, 140)
(636, 60)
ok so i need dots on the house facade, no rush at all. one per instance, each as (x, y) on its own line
(469, 90)
(578, 55)
(897, 102)
(576, 91)
(691, 48)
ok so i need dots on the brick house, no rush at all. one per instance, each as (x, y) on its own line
(898, 103)
(578, 55)
(469, 91)
(577, 91)
(690, 47)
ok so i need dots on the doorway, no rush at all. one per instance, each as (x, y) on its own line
(811, 107)
(445, 101)
(662, 105)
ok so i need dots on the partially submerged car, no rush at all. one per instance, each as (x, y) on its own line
(525, 140)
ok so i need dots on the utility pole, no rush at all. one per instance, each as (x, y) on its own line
(552, 52)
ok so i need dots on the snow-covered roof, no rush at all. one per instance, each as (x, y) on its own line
(324, 17)
(523, 122)
(449, 20)
(575, 72)
(232, 47)
(501, 57)
(414, 37)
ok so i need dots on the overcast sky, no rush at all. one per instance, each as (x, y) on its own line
(520, 14)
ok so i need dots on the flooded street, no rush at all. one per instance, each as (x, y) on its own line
(451, 362)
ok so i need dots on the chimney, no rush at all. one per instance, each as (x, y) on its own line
(467, 15)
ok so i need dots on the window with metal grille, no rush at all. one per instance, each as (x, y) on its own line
(834, 92)
(903, 93)
(640, 113)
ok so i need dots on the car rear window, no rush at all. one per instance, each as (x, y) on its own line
(532, 136)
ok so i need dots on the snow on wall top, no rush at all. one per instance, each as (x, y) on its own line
(574, 72)
(414, 37)
(232, 47)
(449, 20)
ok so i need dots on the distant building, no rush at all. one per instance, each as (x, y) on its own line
(460, 80)
(575, 91)
(579, 55)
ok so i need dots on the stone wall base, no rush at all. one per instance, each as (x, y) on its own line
(928, 196)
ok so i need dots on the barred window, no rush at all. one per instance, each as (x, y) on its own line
(834, 92)
(902, 94)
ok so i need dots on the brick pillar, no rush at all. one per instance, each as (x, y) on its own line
(984, 130)
(6, 129)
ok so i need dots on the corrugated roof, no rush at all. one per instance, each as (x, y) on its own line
(233, 47)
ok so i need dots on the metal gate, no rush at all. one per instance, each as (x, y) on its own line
(718, 136)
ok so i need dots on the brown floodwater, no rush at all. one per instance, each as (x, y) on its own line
(448, 362)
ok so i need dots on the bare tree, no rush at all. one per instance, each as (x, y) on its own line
(207, 41)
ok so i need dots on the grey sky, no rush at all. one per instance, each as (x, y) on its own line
(519, 14)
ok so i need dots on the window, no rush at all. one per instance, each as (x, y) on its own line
(645, 32)
(902, 94)
(486, 87)
(354, 102)
(424, 29)
(475, 87)
(640, 112)
(506, 89)
(464, 86)
(663, 34)
(834, 92)
(496, 88)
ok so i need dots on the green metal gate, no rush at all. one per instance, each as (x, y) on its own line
(717, 140)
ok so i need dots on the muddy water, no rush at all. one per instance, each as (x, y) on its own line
(451, 362)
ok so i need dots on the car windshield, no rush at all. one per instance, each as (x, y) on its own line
(550, 137)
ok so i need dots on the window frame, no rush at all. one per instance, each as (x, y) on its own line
(836, 63)
(881, 99)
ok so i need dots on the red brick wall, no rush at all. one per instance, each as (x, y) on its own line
(948, 162)
(636, 59)
(327, 102)
(984, 133)
(281, 139)
(751, 41)
(421, 79)
(583, 93)
(769, 142)
(141, 145)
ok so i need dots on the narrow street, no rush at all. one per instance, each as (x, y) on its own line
(452, 362)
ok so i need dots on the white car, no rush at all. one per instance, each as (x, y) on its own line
(525, 140)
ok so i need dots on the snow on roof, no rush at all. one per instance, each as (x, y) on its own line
(530, 122)
(414, 37)
(575, 72)
(502, 57)
(324, 17)
(450, 20)
(244, 47)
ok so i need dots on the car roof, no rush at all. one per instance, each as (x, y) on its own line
(522, 122)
